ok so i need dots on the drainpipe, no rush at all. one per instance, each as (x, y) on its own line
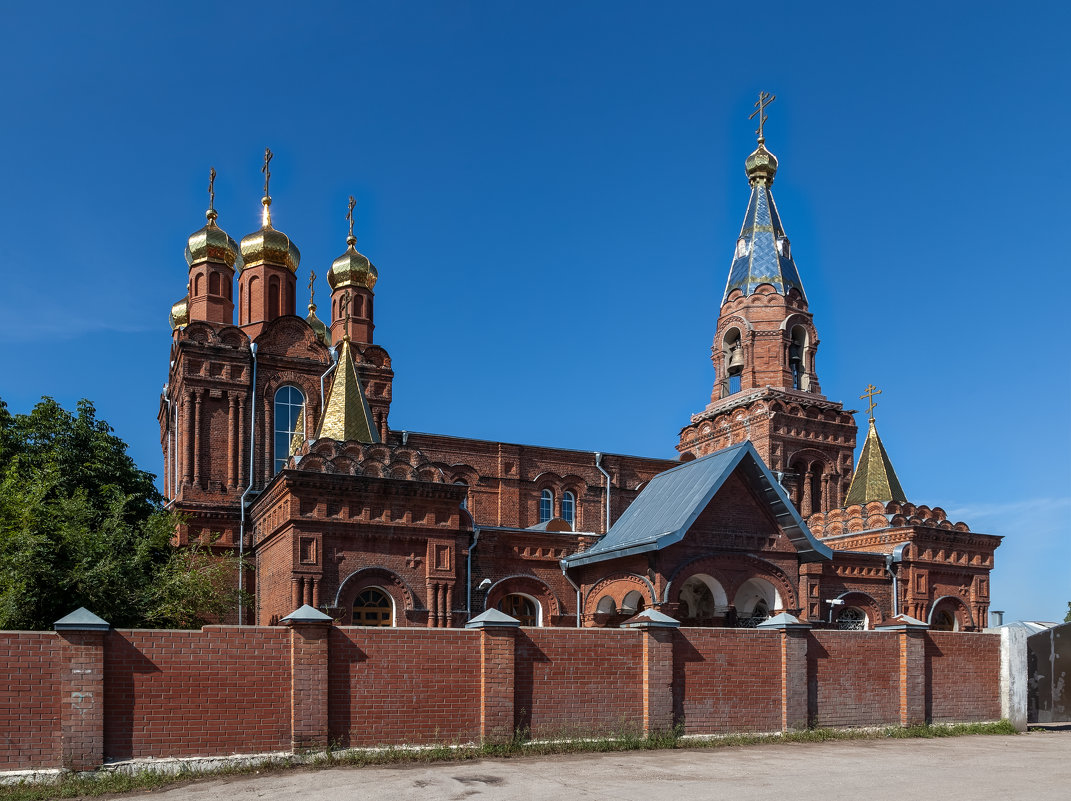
(475, 540)
(334, 364)
(252, 438)
(598, 464)
(895, 557)
(170, 450)
(567, 578)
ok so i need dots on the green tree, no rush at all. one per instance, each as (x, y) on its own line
(1067, 617)
(82, 525)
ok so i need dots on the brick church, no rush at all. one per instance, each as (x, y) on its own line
(278, 444)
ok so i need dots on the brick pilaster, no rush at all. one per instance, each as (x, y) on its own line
(912, 677)
(794, 678)
(82, 690)
(657, 679)
(497, 660)
(309, 634)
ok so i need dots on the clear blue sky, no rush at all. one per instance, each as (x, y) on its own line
(551, 193)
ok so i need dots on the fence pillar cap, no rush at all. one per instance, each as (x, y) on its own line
(651, 619)
(784, 622)
(493, 618)
(81, 619)
(903, 623)
(305, 615)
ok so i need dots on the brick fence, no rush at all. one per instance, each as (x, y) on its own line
(76, 699)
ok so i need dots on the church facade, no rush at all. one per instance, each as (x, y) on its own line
(277, 444)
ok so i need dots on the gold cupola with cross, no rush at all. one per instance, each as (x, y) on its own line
(266, 282)
(352, 275)
(766, 386)
(874, 478)
(212, 256)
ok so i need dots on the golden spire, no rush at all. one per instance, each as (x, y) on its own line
(874, 478)
(266, 200)
(346, 416)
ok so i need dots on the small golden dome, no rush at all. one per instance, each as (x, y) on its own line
(268, 246)
(352, 269)
(322, 332)
(212, 243)
(761, 165)
(180, 314)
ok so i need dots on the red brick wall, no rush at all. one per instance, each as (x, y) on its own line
(571, 681)
(29, 699)
(962, 676)
(855, 678)
(727, 680)
(396, 685)
(222, 690)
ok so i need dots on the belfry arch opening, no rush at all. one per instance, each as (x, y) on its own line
(797, 357)
(733, 360)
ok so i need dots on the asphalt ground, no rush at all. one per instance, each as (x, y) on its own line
(974, 768)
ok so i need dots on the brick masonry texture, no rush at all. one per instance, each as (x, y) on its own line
(224, 690)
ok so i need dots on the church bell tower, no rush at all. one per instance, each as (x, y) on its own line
(766, 386)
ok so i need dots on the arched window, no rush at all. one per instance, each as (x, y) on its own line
(546, 506)
(521, 607)
(569, 509)
(288, 419)
(214, 285)
(852, 619)
(373, 607)
(273, 298)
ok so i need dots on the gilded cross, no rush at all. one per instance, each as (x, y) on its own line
(312, 287)
(266, 169)
(212, 188)
(765, 99)
(871, 391)
(344, 307)
(349, 215)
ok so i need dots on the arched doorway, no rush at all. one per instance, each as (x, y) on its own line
(754, 601)
(373, 607)
(701, 600)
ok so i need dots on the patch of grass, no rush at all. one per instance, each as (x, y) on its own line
(106, 782)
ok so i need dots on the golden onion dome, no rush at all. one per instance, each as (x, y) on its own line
(352, 269)
(180, 314)
(319, 328)
(212, 243)
(268, 246)
(761, 165)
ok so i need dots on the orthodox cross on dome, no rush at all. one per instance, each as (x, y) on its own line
(349, 218)
(868, 395)
(312, 289)
(765, 99)
(266, 169)
(211, 188)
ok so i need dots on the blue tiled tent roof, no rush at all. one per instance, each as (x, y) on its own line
(670, 503)
(760, 261)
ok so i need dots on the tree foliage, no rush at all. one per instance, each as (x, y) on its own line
(81, 525)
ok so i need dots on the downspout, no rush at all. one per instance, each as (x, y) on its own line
(170, 450)
(475, 540)
(896, 557)
(334, 364)
(598, 464)
(252, 438)
(575, 587)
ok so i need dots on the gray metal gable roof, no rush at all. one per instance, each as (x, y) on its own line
(672, 501)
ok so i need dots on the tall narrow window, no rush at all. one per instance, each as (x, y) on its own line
(288, 405)
(546, 506)
(569, 509)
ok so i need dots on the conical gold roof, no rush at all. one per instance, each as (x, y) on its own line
(874, 479)
(346, 417)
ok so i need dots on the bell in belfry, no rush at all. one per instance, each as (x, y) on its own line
(795, 353)
(736, 359)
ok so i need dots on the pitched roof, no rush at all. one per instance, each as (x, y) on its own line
(874, 478)
(763, 254)
(672, 501)
(346, 416)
